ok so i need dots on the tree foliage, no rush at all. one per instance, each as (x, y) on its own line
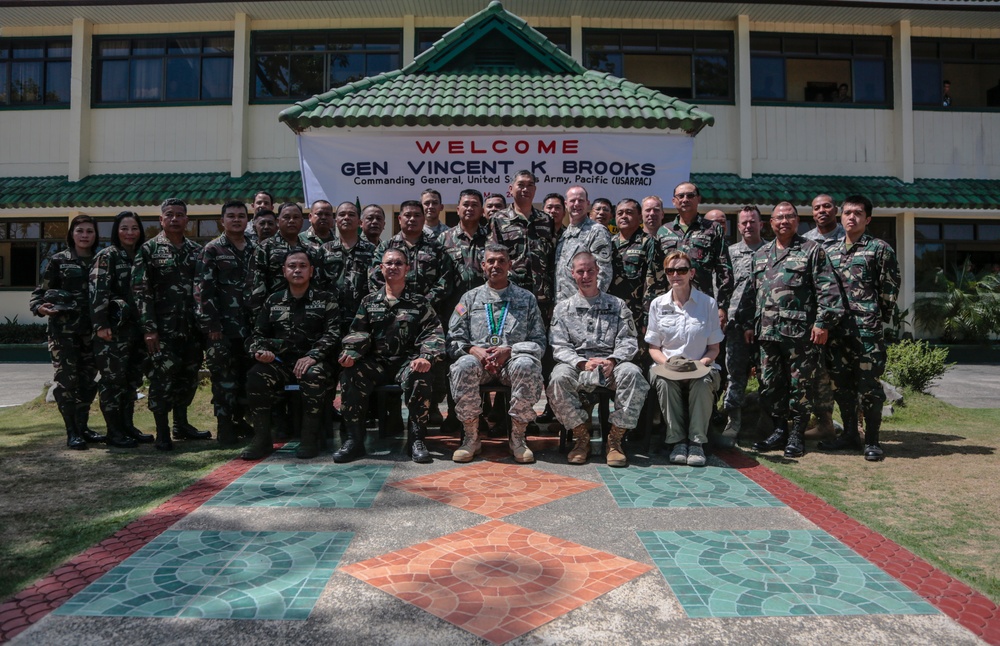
(967, 310)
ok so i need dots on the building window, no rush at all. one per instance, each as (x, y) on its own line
(163, 70)
(944, 247)
(34, 72)
(300, 64)
(799, 68)
(971, 68)
(557, 35)
(683, 64)
(29, 244)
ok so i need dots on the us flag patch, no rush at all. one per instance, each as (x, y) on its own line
(460, 309)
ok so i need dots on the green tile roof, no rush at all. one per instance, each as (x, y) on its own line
(494, 70)
(717, 188)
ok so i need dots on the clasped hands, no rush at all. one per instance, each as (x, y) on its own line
(493, 358)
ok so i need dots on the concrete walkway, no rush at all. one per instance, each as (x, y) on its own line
(22, 382)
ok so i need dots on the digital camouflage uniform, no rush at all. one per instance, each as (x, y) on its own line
(739, 355)
(222, 279)
(163, 288)
(293, 328)
(705, 243)
(385, 337)
(348, 271)
(602, 329)
(522, 331)
(843, 347)
(828, 240)
(267, 268)
(638, 276)
(436, 231)
(586, 236)
(791, 291)
(531, 242)
(120, 360)
(431, 273)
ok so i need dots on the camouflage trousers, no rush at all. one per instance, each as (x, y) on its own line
(173, 373)
(120, 361)
(523, 374)
(266, 383)
(626, 381)
(856, 365)
(790, 370)
(228, 363)
(361, 379)
(75, 370)
(687, 405)
(740, 357)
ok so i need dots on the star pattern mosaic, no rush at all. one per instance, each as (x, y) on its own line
(497, 580)
(217, 575)
(350, 486)
(774, 573)
(494, 490)
(715, 485)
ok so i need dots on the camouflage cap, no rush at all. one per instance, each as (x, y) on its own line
(60, 300)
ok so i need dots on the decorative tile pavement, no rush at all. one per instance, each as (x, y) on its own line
(217, 575)
(774, 573)
(715, 485)
(305, 485)
(494, 490)
(497, 580)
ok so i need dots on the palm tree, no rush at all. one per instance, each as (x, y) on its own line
(968, 308)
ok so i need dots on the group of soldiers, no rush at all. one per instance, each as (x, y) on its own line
(509, 296)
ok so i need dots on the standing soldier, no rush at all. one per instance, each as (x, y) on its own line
(496, 335)
(396, 337)
(220, 289)
(828, 232)
(637, 265)
(870, 276)
(295, 340)
(163, 284)
(582, 234)
(320, 224)
(373, 223)
(792, 303)
(349, 257)
(430, 200)
(268, 272)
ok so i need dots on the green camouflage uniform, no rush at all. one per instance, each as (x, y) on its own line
(222, 280)
(705, 243)
(843, 348)
(120, 360)
(348, 270)
(602, 329)
(163, 287)
(267, 270)
(791, 291)
(531, 242)
(586, 236)
(638, 275)
(293, 328)
(522, 331)
(431, 271)
(739, 355)
(385, 337)
(70, 333)
(309, 238)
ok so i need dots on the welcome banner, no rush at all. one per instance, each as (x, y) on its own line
(389, 167)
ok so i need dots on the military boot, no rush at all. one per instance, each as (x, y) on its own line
(309, 440)
(82, 419)
(163, 442)
(354, 446)
(824, 429)
(777, 439)
(128, 424)
(581, 445)
(262, 445)
(519, 443)
(226, 433)
(73, 439)
(727, 439)
(795, 447)
(184, 430)
(848, 440)
(616, 455)
(116, 431)
(415, 440)
(873, 424)
(241, 426)
(471, 444)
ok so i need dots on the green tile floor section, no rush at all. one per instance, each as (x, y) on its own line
(217, 575)
(714, 485)
(304, 485)
(774, 573)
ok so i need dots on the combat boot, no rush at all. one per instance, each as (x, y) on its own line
(795, 447)
(824, 429)
(873, 424)
(776, 440)
(226, 433)
(727, 439)
(519, 443)
(616, 455)
(471, 444)
(354, 446)
(128, 424)
(581, 445)
(73, 439)
(262, 445)
(184, 430)
(241, 426)
(848, 438)
(415, 440)
(163, 442)
(309, 437)
(116, 432)
(82, 419)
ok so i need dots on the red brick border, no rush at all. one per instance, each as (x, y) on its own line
(949, 595)
(50, 592)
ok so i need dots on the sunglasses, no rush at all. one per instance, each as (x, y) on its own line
(677, 270)
(681, 196)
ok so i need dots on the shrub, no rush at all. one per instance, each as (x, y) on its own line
(915, 364)
(13, 332)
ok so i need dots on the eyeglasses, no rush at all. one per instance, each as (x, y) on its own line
(682, 271)
(784, 218)
(681, 196)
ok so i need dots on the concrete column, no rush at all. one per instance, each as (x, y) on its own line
(239, 135)
(409, 39)
(902, 99)
(744, 132)
(905, 254)
(576, 38)
(79, 100)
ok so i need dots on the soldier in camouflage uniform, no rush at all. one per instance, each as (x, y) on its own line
(433, 207)
(222, 276)
(593, 339)
(265, 225)
(268, 272)
(118, 346)
(792, 303)
(320, 224)
(582, 234)
(163, 287)
(373, 223)
(396, 337)
(295, 340)
(637, 265)
(869, 273)
(828, 231)
(496, 335)
(63, 298)
(349, 258)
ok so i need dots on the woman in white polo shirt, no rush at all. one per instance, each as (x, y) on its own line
(683, 334)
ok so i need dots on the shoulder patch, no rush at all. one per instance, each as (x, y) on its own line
(460, 309)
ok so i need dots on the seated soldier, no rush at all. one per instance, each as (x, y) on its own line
(593, 340)
(294, 340)
(496, 336)
(395, 338)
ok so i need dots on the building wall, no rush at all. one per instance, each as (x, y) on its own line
(956, 144)
(271, 146)
(34, 143)
(15, 303)
(716, 149)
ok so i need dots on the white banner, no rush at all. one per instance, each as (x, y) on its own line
(389, 167)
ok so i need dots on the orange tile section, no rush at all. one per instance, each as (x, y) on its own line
(497, 580)
(494, 490)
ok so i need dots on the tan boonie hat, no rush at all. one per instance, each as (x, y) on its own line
(680, 368)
